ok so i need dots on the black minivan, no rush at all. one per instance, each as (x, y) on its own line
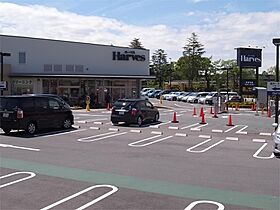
(33, 112)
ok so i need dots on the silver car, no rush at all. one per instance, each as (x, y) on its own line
(276, 139)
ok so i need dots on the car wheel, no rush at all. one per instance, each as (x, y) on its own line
(139, 121)
(156, 117)
(6, 130)
(31, 128)
(67, 123)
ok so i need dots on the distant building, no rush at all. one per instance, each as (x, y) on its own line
(73, 69)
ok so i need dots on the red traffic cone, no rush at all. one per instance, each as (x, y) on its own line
(201, 112)
(194, 111)
(203, 119)
(174, 118)
(268, 112)
(229, 121)
(215, 114)
(211, 110)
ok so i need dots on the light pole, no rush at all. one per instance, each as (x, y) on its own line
(227, 69)
(2, 54)
(276, 42)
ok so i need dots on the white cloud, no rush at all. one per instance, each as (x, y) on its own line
(220, 33)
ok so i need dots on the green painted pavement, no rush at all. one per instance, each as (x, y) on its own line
(153, 186)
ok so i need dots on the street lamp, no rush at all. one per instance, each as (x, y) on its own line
(2, 54)
(276, 42)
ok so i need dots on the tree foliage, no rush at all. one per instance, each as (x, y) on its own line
(136, 44)
(159, 66)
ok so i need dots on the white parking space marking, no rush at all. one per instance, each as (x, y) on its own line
(193, 204)
(136, 144)
(206, 149)
(31, 175)
(98, 135)
(256, 155)
(241, 130)
(113, 129)
(204, 136)
(192, 125)
(157, 132)
(94, 128)
(135, 131)
(164, 123)
(228, 130)
(232, 138)
(181, 134)
(100, 138)
(64, 133)
(217, 131)
(19, 147)
(112, 191)
(265, 134)
(173, 128)
(198, 128)
(96, 120)
(259, 140)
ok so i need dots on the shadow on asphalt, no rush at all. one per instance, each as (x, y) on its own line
(42, 132)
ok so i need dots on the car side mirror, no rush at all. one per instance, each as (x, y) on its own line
(274, 125)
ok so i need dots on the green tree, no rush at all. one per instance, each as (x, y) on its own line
(192, 62)
(136, 44)
(159, 66)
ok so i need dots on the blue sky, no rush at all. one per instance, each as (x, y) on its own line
(221, 25)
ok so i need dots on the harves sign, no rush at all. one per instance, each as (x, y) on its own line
(128, 55)
(249, 57)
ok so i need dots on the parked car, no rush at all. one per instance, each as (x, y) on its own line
(134, 111)
(33, 112)
(145, 90)
(276, 139)
(164, 92)
(152, 94)
(191, 97)
(181, 96)
(201, 97)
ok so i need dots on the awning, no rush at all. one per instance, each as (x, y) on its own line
(99, 76)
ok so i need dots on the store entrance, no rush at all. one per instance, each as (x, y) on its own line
(69, 94)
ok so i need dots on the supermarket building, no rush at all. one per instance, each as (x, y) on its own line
(72, 69)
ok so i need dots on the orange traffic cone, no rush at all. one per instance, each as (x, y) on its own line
(194, 111)
(174, 118)
(108, 106)
(202, 119)
(229, 121)
(201, 112)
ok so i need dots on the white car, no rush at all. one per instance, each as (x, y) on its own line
(173, 96)
(276, 139)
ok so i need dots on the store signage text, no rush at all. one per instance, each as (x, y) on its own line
(128, 55)
(249, 57)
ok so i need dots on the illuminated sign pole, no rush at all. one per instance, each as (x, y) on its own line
(276, 42)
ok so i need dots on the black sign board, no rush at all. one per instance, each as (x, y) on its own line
(249, 57)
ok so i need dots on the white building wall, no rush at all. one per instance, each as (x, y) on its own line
(96, 59)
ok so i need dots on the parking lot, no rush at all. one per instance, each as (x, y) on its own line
(164, 165)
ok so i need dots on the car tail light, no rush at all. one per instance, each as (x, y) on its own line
(19, 114)
(134, 111)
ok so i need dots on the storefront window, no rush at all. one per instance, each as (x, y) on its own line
(22, 86)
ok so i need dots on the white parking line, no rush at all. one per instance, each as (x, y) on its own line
(64, 133)
(241, 130)
(19, 147)
(173, 128)
(198, 128)
(204, 136)
(181, 134)
(90, 137)
(189, 126)
(193, 204)
(156, 132)
(135, 131)
(149, 143)
(114, 189)
(259, 150)
(259, 140)
(232, 138)
(105, 137)
(31, 175)
(265, 134)
(231, 129)
(206, 149)
(217, 131)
